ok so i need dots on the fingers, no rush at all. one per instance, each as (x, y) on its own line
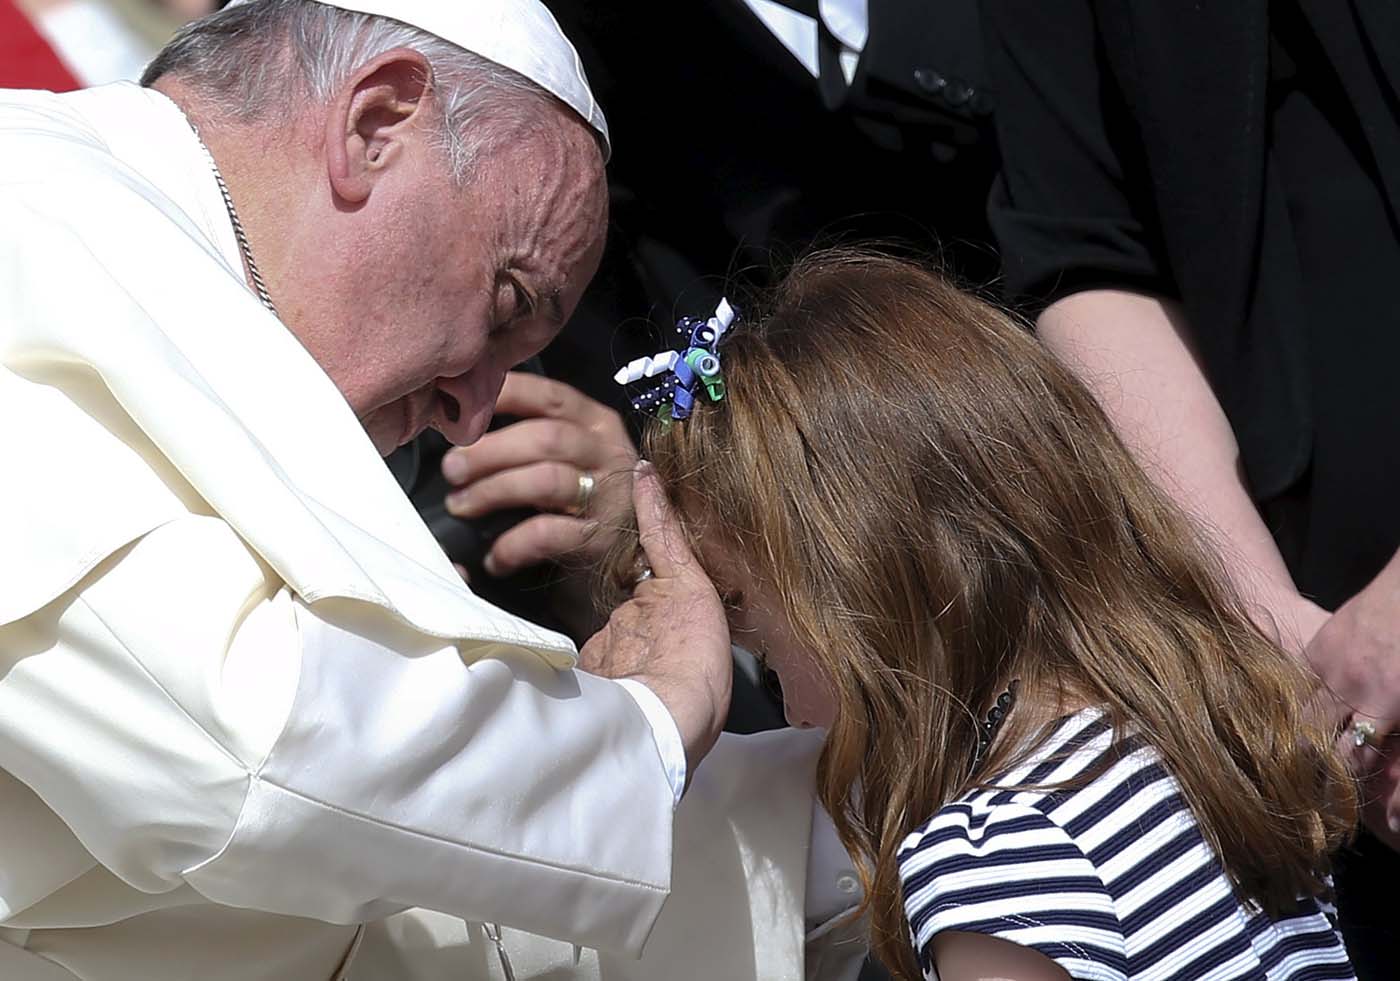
(1369, 745)
(1362, 743)
(557, 423)
(531, 396)
(1365, 744)
(529, 441)
(542, 486)
(539, 441)
(1387, 787)
(659, 532)
(1380, 795)
(538, 539)
(672, 635)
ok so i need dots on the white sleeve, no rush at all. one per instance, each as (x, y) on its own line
(194, 723)
(665, 731)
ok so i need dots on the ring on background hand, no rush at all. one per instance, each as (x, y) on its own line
(1363, 733)
(586, 484)
(643, 576)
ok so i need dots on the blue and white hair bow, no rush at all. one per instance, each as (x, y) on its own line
(696, 368)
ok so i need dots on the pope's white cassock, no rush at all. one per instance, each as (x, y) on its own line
(246, 706)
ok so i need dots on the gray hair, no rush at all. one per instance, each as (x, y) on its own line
(239, 61)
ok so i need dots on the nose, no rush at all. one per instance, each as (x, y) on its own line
(475, 394)
(793, 719)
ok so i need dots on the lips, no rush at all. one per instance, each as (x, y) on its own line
(418, 409)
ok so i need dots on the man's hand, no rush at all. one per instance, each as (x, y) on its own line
(536, 463)
(1357, 654)
(672, 635)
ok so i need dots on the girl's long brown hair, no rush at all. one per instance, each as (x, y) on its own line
(941, 507)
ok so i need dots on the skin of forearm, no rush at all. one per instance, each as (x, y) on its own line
(1387, 581)
(1132, 350)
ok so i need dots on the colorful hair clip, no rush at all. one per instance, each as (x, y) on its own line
(695, 367)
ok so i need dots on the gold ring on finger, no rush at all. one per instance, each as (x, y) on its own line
(586, 484)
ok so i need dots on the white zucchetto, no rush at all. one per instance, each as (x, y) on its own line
(521, 35)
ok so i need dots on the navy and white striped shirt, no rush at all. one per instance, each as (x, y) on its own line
(1111, 880)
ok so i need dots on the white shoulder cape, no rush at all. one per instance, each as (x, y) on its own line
(115, 230)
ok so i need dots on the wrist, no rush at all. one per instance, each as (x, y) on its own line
(698, 710)
(1307, 620)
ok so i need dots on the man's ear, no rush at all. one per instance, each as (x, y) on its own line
(371, 116)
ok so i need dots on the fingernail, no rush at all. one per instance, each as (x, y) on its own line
(1394, 822)
(454, 467)
(643, 468)
(490, 565)
(457, 503)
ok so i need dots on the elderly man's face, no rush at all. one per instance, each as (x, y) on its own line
(418, 300)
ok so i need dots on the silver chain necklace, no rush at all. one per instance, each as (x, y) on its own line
(258, 285)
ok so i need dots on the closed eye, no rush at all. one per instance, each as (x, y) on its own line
(524, 302)
(521, 305)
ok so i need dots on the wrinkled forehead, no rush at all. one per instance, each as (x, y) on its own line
(553, 197)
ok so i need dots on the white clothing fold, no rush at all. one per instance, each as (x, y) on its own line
(239, 680)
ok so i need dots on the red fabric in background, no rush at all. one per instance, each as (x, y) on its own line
(26, 60)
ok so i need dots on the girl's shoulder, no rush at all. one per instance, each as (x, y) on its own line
(1083, 774)
(1088, 853)
(1085, 790)
(1015, 856)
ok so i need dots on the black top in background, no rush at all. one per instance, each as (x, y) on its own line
(1242, 158)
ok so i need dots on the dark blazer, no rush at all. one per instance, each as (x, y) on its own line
(922, 66)
(729, 159)
(1134, 138)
